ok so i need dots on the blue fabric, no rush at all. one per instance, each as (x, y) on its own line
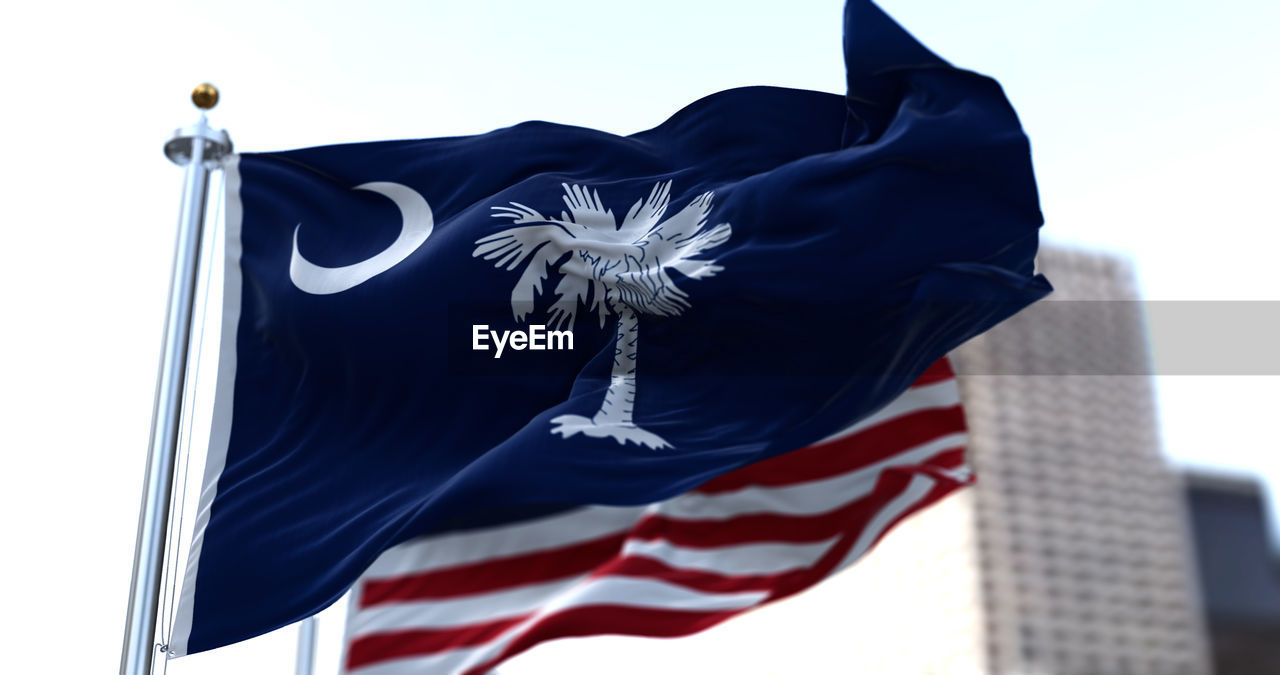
(870, 234)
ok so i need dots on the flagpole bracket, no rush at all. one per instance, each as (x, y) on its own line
(216, 142)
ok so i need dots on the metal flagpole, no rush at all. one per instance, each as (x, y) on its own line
(306, 661)
(198, 148)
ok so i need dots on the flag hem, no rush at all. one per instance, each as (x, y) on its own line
(220, 427)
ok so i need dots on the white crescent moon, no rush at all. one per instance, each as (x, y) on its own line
(416, 226)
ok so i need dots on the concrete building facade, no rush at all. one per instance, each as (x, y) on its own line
(1071, 556)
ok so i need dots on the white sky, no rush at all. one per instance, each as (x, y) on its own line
(1152, 125)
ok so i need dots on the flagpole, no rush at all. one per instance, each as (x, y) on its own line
(198, 148)
(305, 664)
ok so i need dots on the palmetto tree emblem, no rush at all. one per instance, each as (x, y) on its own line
(611, 268)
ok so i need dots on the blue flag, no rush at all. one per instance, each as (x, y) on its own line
(434, 335)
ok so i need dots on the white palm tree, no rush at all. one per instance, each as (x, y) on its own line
(610, 268)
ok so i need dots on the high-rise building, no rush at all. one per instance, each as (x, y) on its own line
(1239, 572)
(1071, 556)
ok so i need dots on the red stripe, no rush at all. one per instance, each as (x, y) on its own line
(371, 649)
(490, 575)
(698, 580)
(894, 483)
(758, 528)
(939, 371)
(598, 619)
(852, 452)
(753, 529)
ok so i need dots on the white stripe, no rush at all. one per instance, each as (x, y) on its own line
(919, 486)
(530, 536)
(446, 662)
(811, 498)
(473, 608)
(612, 591)
(733, 560)
(942, 394)
(220, 427)
(348, 629)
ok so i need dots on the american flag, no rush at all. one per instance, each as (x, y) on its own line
(463, 602)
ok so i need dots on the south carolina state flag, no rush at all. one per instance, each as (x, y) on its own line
(460, 334)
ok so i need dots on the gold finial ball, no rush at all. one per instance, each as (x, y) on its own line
(205, 96)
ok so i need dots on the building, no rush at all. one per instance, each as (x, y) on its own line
(1239, 573)
(1071, 555)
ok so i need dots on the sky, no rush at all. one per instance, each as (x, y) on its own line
(1151, 123)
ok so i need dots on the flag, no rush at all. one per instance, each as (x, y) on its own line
(464, 602)
(434, 336)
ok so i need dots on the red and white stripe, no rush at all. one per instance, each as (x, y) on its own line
(465, 602)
